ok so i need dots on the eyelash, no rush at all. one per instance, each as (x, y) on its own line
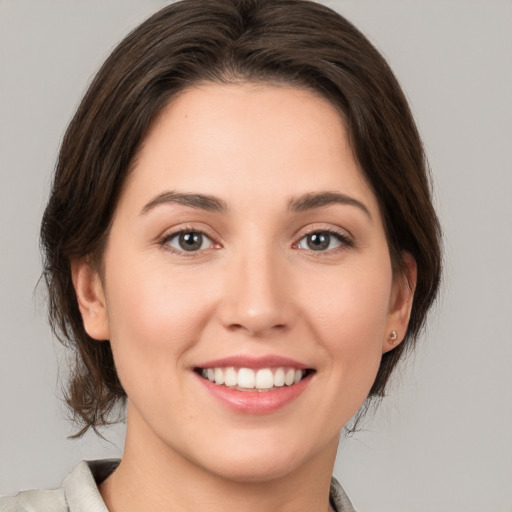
(164, 242)
(345, 242)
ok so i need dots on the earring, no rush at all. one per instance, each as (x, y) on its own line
(393, 337)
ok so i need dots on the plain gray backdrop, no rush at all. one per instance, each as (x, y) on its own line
(441, 442)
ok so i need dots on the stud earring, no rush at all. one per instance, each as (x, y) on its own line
(393, 337)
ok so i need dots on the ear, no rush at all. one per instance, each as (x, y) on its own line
(401, 303)
(91, 299)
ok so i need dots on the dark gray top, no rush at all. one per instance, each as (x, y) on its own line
(79, 492)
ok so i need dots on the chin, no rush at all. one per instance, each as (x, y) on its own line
(260, 468)
(264, 458)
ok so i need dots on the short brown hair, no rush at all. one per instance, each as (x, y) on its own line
(297, 42)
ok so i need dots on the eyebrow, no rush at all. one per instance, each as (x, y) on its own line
(214, 204)
(323, 199)
(199, 201)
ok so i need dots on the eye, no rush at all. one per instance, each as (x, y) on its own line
(323, 241)
(188, 241)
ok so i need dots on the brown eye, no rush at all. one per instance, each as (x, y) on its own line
(189, 241)
(323, 241)
(318, 241)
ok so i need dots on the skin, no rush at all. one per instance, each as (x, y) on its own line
(255, 288)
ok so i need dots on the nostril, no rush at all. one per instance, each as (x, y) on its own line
(255, 329)
(254, 314)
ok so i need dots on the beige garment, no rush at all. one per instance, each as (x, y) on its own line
(79, 492)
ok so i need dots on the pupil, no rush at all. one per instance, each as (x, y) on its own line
(318, 241)
(191, 241)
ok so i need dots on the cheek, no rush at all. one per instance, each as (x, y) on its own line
(350, 319)
(154, 317)
(353, 302)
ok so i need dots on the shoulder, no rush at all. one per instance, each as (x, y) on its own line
(36, 500)
(339, 500)
(78, 492)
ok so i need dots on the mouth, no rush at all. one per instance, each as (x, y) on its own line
(254, 379)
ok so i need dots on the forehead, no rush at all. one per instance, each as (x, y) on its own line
(245, 141)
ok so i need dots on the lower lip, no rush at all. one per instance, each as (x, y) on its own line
(256, 402)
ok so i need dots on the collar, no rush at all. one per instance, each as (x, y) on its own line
(80, 487)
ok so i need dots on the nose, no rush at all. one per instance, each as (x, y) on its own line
(258, 294)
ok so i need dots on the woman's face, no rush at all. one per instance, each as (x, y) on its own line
(248, 249)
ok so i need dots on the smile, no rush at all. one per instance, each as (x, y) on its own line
(255, 380)
(254, 385)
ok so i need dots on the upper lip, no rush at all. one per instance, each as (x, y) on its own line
(246, 361)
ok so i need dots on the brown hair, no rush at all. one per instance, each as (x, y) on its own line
(297, 42)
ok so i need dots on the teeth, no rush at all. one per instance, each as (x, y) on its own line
(289, 377)
(247, 378)
(231, 377)
(279, 378)
(219, 376)
(264, 379)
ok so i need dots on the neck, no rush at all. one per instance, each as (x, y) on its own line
(153, 476)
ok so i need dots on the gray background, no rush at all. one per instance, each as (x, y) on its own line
(442, 441)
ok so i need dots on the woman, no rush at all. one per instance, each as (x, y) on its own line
(240, 245)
